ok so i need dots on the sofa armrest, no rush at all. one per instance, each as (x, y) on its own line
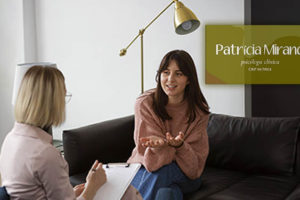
(109, 141)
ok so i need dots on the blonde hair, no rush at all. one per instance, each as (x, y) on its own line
(41, 97)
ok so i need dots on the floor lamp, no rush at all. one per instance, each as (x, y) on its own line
(185, 21)
(21, 70)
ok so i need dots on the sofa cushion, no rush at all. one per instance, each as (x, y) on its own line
(258, 188)
(215, 180)
(232, 185)
(253, 145)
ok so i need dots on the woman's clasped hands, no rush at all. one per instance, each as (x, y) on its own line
(159, 142)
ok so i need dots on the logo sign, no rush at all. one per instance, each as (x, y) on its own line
(252, 54)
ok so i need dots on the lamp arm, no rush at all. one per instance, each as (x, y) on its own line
(173, 1)
(136, 37)
(141, 31)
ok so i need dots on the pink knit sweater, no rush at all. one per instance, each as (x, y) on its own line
(190, 157)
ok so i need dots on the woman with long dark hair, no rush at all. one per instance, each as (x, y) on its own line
(170, 131)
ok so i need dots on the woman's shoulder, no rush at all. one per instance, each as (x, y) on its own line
(201, 115)
(145, 99)
(48, 157)
(48, 154)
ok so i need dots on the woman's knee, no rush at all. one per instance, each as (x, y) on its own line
(169, 193)
(168, 172)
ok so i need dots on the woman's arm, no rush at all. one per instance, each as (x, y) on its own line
(191, 156)
(51, 172)
(147, 124)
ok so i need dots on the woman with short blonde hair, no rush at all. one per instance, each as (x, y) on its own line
(42, 93)
(30, 166)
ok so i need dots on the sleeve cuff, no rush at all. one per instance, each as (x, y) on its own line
(181, 147)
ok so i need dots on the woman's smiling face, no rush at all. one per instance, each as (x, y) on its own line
(173, 83)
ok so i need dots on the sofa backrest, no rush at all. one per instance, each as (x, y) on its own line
(108, 141)
(253, 145)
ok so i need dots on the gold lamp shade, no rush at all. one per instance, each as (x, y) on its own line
(185, 21)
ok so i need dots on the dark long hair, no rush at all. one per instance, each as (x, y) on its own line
(192, 91)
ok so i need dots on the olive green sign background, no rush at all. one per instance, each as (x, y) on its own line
(252, 54)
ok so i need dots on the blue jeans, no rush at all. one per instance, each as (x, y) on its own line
(3, 194)
(167, 183)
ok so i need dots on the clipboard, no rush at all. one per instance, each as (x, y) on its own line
(119, 176)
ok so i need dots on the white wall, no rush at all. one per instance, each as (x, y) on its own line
(11, 53)
(84, 38)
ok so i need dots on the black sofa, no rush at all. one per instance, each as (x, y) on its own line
(249, 159)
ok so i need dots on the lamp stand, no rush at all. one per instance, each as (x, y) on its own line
(142, 59)
(141, 33)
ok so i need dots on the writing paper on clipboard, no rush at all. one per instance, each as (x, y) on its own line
(119, 176)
